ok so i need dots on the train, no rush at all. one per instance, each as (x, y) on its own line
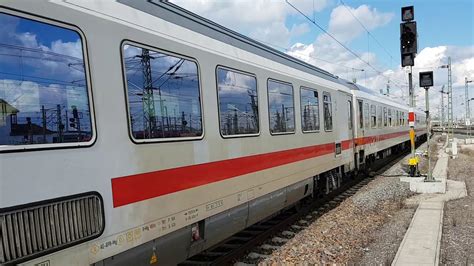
(134, 132)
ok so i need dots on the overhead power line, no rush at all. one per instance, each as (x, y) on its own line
(367, 30)
(341, 44)
(316, 58)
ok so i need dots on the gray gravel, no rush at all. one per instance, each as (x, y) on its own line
(387, 239)
(391, 189)
(457, 242)
(367, 227)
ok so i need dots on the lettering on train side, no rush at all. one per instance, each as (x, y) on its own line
(191, 214)
(214, 205)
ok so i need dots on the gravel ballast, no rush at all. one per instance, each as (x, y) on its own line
(457, 242)
(365, 228)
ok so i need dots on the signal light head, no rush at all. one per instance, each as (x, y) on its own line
(408, 13)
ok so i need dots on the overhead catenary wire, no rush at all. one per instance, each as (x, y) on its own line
(367, 30)
(313, 57)
(341, 44)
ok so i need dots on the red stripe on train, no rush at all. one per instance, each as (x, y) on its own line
(139, 187)
(134, 188)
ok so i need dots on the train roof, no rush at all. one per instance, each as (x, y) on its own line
(191, 21)
(184, 18)
(367, 93)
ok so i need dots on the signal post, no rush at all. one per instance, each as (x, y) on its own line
(426, 81)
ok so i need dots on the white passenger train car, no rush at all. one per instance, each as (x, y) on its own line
(381, 124)
(135, 132)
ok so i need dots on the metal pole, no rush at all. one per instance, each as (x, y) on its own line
(413, 162)
(468, 111)
(428, 124)
(43, 117)
(465, 101)
(450, 102)
(442, 108)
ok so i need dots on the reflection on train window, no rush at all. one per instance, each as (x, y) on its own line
(238, 102)
(163, 94)
(309, 109)
(390, 117)
(43, 89)
(349, 114)
(373, 116)
(327, 111)
(361, 114)
(379, 116)
(366, 115)
(281, 107)
(385, 118)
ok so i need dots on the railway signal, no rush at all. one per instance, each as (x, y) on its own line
(426, 81)
(408, 50)
(408, 37)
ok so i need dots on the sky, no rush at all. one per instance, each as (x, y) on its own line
(370, 29)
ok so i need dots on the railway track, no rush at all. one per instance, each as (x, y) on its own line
(258, 241)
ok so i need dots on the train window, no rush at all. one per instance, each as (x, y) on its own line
(396, 119)
(390, 117)
(373, 116)
(401, 118)
(366, 115)
(238, 102)
(379, 116)
(281, 107)
(163, 95)
(327, 106)
(385, 118)
(361, 114)
(309, 109)
(44, 89)
(349, 113)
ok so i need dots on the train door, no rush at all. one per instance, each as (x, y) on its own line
(362, 116)
(351, 128)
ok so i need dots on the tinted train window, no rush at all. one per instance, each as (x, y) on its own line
(309, 109)
(163, 94)
(390, 117)
(385, 120)
(43, 88)
(361, 114)
(327, 111)
(379, 116)
(238, 102)
(366, 115)
(349, 113)
(281, 107)
(373, 116)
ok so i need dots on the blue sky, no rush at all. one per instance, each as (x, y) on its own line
(439, 23)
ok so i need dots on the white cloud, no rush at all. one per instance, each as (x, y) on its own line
(260, 19)
(345, 27)
(429, 59)
(265, 20)
(326, 53)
